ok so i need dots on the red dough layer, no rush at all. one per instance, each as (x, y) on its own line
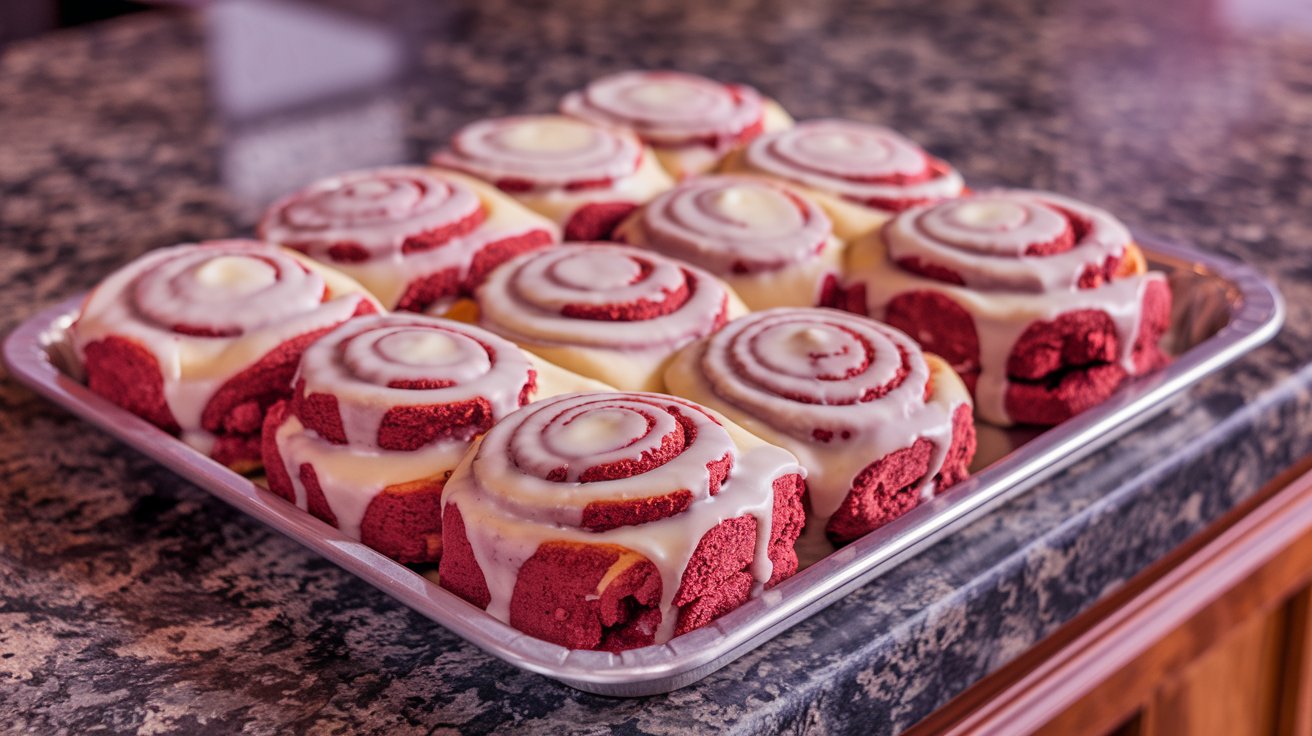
(886, 489)
(275, 470)
(956, 467)
(599, 516)
(499, 251)
(636, 311)
(404, 522)
(426, 291)
(315, 502)
(597, 221)
(1057, 369)
(128, 374)
(409, 428)
(459, 571)
(404, 428)
(786, 526)
(556, 596)
(602, 515)
(941, 326)
(439, 236)
(551, 597)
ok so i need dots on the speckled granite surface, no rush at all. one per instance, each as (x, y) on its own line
(132, 601)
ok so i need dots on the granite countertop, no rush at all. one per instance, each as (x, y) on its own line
(132, 600)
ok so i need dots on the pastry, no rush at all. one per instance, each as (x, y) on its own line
(861, 174)
(878, 425)
(382, 410)
(610, 312)
(688, 120)
(1043, 304)
(584, 177)
(200, 340)
(617, 520)
(415, 237)
(771, 244)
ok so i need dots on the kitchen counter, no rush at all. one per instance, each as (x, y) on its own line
(131, 599)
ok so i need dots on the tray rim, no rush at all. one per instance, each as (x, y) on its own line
(1256, 316)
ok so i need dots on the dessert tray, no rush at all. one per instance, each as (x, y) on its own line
(1223, 310)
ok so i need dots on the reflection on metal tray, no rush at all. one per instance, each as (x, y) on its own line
(1222, 310)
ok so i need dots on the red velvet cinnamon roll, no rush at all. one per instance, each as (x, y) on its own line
(415, 237)
(617, 520)
(688, 120)
(861, 174)
(611, 312)
(383, 409)
(202, 339)
(583, 176)
(771, 244)
(877, 424)
(1042, 303)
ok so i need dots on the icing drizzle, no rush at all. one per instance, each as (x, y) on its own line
(388, 227)
(208, 311)
(542, 152)
(838, 390)
(373, 366)
(528, 482)
(1010, 258)
(590, 295)
(377, 210)
(771, 244)
(671, 109)
(735, 224)
(868, 164)
(1012, 240)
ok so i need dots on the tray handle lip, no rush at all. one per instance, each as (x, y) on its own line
(1256, 317)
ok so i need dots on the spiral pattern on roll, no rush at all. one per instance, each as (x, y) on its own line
(201, 339)
(577, 502)
(669, 109)
(868, 164)
(606, 449)
(370, 214)
(587, 295)
(530, 152)
(735, 225)
(1012, 240)
(810, 371)
(226, 289)
(1043, 304)
(372, 382)
(877, 423)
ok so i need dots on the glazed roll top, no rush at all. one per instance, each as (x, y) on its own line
(689, 120)
(878, 425)
(383, 409)
(616, 520)
(1043, 303)
(773, 245)
(413, 236)
(201, 339)
(870, 166)
(583, 176)
(614, 313)
(1010, 241)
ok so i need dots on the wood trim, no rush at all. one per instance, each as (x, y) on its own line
(1228, 560)
(1296, 696)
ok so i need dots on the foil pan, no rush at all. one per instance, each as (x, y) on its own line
(1223, 309)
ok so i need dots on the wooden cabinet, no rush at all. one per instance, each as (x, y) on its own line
(1215, 639)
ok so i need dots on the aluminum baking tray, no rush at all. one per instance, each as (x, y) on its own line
(1223, 310)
